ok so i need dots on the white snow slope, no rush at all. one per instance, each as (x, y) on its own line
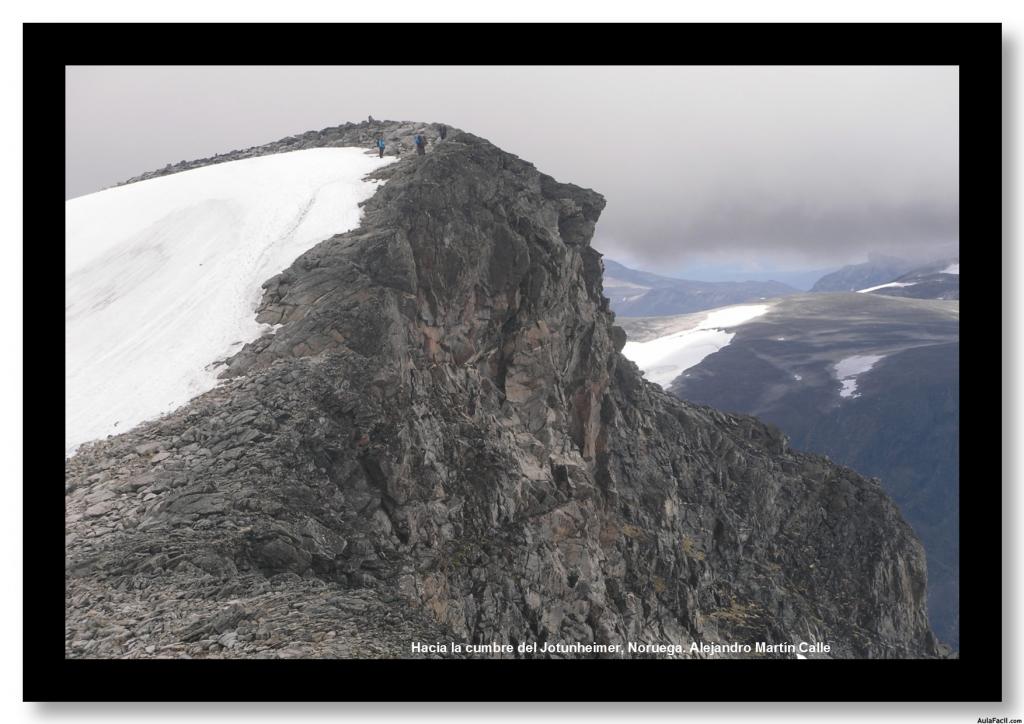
(849, 368)
(665, 358)
(883, 286)
(162, 277)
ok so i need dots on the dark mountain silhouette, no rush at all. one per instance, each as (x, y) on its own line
(939, 280)
(879, 269)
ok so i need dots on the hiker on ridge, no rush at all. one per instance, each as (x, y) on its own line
(380, 146)
(420, 144)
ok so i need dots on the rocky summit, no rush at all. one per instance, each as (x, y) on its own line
(442, 442)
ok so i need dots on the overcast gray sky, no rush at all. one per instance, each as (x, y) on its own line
(756, 168)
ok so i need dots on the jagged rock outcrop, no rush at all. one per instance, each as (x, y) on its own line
(443, 441)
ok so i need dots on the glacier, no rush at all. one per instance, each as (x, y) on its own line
(662, 359)
(162, 277)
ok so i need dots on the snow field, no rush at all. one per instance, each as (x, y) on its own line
(162, 277)
(665, 358)
(849, 368)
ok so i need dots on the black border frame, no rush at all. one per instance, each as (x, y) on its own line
(976, 48)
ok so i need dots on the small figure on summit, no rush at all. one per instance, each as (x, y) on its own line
(420, 142)
(443, 132)
(380, 146)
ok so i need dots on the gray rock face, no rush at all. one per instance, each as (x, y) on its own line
(443, 441)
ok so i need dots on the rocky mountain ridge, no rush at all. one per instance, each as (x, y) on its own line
(442, 440)
(398, 137)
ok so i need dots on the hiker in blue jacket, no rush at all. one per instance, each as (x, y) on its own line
(380, 146)
(420, 144)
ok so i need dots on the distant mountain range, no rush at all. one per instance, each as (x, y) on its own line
(939, 280)
(642, 294)
(896, 278)
(635, 293)
(869, 379)
(851, 278)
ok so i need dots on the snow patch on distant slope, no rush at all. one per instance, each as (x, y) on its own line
(665, 358)
(951, 269)
(849, 368)
(162, 277)
(883, 286)
(732, 316)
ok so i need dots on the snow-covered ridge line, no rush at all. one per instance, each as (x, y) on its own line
(163, 276)
(664, 358)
